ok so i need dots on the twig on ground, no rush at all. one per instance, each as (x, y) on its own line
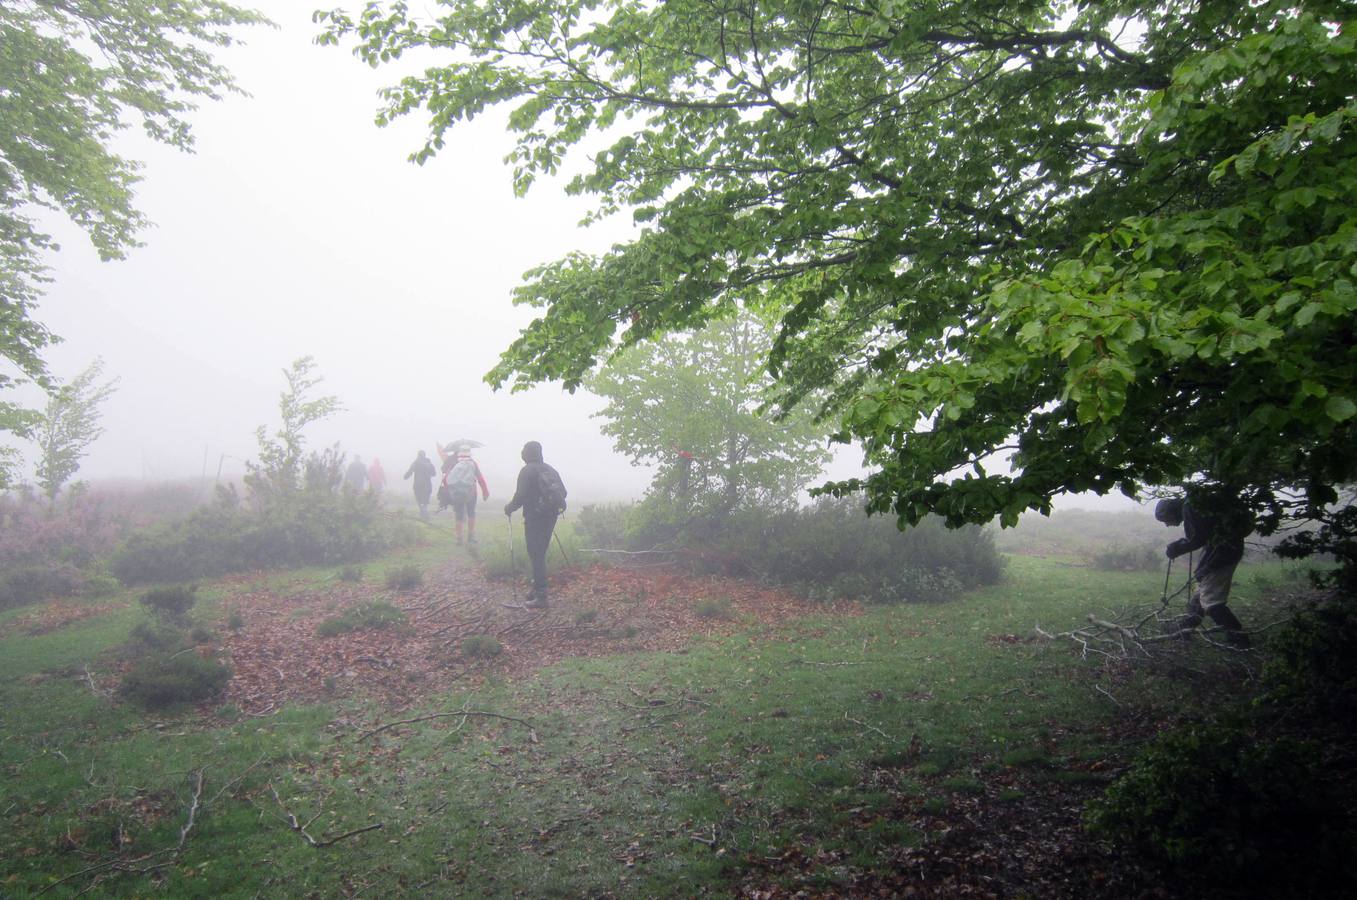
(862, 724)
(1100, 689)
(234, 781)
(463, 713)
(300, 828)
(709, 841)
(133, 866)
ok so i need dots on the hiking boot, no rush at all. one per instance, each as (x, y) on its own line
(1234, 629)
(1187, 624)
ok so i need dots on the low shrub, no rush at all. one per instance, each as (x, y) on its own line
(830, 549)
(315, 526)
(170, 604)
(155, 638)
(1215, 806)
(59, 549)
(1128, 558)
(163, 680)
(603, 525)
(1312, 662)
(375, 615)
(39, 581)
(234, 620)
(481, 646)
(586, 617)
(404, 578)
(351, 574)
(713, 609)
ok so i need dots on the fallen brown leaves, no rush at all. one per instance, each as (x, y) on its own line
(1021, 836)
(53, 615)
(278, 658)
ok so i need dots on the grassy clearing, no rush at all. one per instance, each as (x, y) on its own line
(627, 774)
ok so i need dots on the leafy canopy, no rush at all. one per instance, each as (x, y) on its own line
(1110, 242)
(690, 404)
(73, 73)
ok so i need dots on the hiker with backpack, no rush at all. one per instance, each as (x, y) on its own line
(461, 477)
(423, 471)
(1219, 525)
(540, 493)
(356, 476)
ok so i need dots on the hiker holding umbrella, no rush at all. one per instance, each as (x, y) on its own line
(461, 477)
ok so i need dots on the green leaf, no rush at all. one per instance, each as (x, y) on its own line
(1340, 408)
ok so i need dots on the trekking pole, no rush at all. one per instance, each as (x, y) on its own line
(1164, 601)
(561, 548)
(513, 569)
(1189, 578)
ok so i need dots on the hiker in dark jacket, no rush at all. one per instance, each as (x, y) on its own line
(423, 471)
(356, 476)
(540, 493)
(1220, 528)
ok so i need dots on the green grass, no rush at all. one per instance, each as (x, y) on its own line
(622, 764)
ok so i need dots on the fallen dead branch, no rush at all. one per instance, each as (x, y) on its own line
(136, 866)
(1133, 640)
(300, 828)
(461, 713)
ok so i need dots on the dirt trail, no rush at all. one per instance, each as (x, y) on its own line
(277, 656)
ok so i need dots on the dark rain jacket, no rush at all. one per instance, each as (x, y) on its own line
(423, 471)
(1221, 532)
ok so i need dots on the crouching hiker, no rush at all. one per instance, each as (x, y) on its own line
(1220, 527)
(540, 493)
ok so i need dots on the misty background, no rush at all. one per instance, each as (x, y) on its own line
(299, 228)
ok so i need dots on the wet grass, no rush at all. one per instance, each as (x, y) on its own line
(630, 775)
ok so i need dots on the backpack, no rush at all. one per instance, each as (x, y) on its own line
(550, 492)
(462, 477)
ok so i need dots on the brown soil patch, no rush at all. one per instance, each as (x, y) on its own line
(277, 656)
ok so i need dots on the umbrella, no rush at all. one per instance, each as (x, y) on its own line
(463, 444)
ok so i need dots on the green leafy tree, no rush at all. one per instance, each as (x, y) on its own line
(282, 469)
(68, 426)
(690, 405)
(73, 73)
(1111, 244)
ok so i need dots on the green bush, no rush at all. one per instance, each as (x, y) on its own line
(31, 583)
(318, 525)
(234, 620)
(145, 636)
(404, 578)
(1312, 662)
(713, 609)
(162, 680)
(481, 646)
(1124, 558)
(1216, 807)
(830, 549)
(603, 525)
(352, 574)
(170, 604)
(375, 615)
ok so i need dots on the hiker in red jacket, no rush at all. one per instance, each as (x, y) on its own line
(461, 478)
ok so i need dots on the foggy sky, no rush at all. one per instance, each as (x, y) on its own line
(299, 228)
